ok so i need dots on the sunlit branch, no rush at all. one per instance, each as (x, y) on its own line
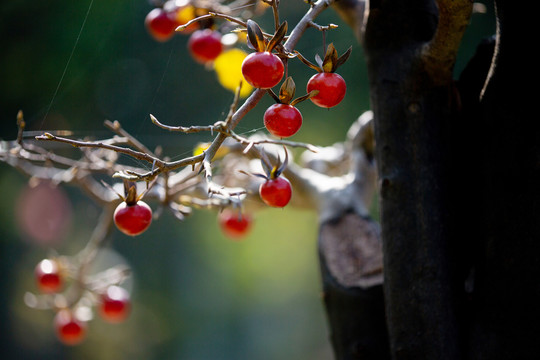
(102, 145)
(131, 140)
(209, 203)
(321, 27)
(440, 53)
(158, 165)
(250, 142)
(183, 129)
(305, 22)
(212, 15)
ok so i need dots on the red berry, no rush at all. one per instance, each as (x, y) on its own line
(205, 45)
(263, 70)
(133, 219)
(48, 276)
(276, 192)
(234, 224)
(331, 88)
(282, 120)
(69, 329)
(161, 24)
(115, 304)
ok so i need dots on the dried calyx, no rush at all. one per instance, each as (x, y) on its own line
(286, 93)
(273, 171)
(331, 60)
(258, 42)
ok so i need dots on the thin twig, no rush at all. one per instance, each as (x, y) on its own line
(102, 145)
(183, 129)
(131, 140)
(315, 10)
(321, 27)
(212, 15)
(248, 142)
(21, 124)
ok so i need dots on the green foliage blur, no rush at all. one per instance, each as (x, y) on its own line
(196, 295)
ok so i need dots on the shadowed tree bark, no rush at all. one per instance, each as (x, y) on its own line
(458, 175)
(507, 259)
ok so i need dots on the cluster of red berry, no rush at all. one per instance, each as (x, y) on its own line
(264, 69)
(114, 302)
(261, 69)
(204, 44)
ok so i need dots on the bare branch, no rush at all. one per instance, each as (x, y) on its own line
(354, 13)
(131, 140)
(102, 145)
(440, 54)
(321, 27)
(305, 22)
(183, 129)
(212, 15)
(251, 142)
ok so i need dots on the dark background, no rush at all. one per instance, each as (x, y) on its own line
(196, 294)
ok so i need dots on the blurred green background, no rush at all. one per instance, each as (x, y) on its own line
(196, 295)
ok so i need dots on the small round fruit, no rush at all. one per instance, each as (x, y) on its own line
(263, 70)
(234, 224)
(133, 219)
(160, 24)
(282, 120)
(48, 276)
(205, 45)
(276, 192)
(115, 304)
(69, 329)
(331, 88)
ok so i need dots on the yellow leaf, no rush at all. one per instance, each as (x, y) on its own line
(200, 147)
(228, 67)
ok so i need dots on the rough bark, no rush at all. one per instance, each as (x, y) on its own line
(459, 170)
(412, 112)
(460, 279)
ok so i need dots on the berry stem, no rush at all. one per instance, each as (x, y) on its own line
(275, 10)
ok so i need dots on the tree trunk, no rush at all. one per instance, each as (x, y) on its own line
(458, 188)
(412, 115)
